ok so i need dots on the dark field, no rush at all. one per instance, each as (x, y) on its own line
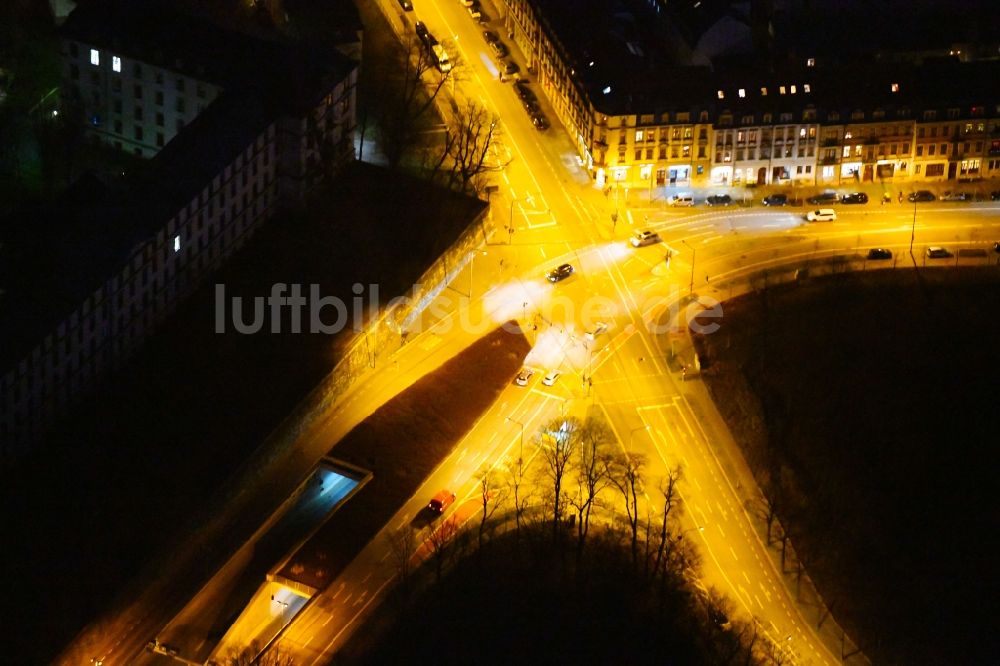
(867, 407)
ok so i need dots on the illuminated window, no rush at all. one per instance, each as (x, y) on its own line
(895, 87)
(638, 135)
(810, 62)
(95, 57)
(806, 88)
(781, 90)
(847, 151)
(743, 93)
(793, 90)
(116, 63)
(722, 95)
(763, 92)
(802, 132)
(177, 243)
(607, 90)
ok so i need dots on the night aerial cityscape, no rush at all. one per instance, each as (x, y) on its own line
(499, 332)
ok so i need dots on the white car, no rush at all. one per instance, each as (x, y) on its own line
(551, 378)
(644, 238)
(601, 327)
(523, 376)
(822, 215)
(681, 200)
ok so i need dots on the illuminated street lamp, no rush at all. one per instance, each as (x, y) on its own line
(632, 432)
(520, 451)
(694, 253)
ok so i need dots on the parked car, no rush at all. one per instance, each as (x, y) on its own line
(490, 36)
(938, 253)
(508, 67)
(406, 5)
(995, 195)
(422, 32)
(955, 196)
(551, 378)
(539, 120)
(523, 91)
(500, 49)
(719, 200)
(644, 238)
(559, 273)
(523, 376)
(921, 196)
(822, 215)
(996, 247)
(854, 198)
(531, 106)
(441, 501)
(823, 198)
(681, 200)
(878, 253)
(475, 11)
(775, 200)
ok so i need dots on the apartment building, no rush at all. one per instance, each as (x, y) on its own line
(112, 262)
(642, 115)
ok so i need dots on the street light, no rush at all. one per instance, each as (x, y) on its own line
(520, 452)
(510, 229)
(632, 432)
(694, 253)
(913, 229)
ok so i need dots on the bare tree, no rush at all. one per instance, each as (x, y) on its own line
(403, 546)
(591, 468)
(406, 97)
(671, 498)
(558, 439)
(627, 476)
(517, 491)
(441, 541)
(492, 495)
(251, 655)
(469, 137)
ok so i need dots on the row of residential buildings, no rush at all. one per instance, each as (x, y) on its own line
(639, 118)
(236, 128)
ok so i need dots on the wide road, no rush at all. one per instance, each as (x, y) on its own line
(557, 215)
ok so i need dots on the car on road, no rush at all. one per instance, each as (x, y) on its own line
(823, 198)
(996, 247)
(599, 327)
(531, 106)
(490, 36)
(559, 273)
(467, 3)
(422, 32)
(539, 120)
(644, 238)
(441, 501)
(854, 198)
(551, 378)
(523, 375)
(719, 200)
(523, 91)
(681, 200)
(878, 253)
(475, 11)
(508, 67)
(775, 200)
(935, 252)
(955, 196)
(822, 215)
(995, 195)
(921, 196)
(406, 5)
(500, 49)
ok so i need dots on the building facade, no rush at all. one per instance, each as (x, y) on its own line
(225, 161)
(641, 124)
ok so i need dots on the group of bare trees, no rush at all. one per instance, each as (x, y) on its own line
(401, 108)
